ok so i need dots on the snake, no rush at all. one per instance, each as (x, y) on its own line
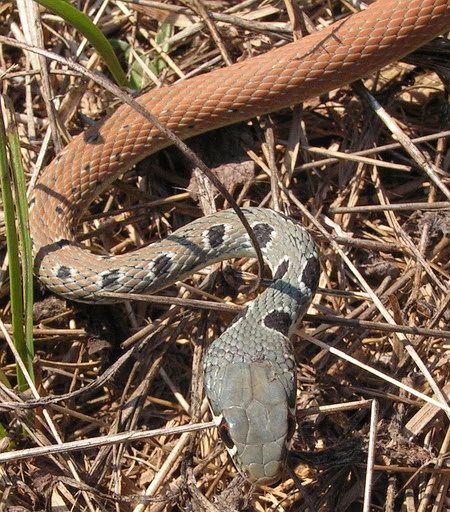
(249, 370)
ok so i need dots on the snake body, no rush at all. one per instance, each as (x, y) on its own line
(249, 370)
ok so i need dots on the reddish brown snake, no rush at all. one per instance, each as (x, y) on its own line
(349, 49)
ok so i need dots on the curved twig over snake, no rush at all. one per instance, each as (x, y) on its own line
(249, 370)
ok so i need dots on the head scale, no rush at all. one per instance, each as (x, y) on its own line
(253, 410)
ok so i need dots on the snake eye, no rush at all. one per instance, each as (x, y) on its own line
(224, 432)
(292, 426)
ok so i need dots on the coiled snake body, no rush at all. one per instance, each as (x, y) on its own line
(249, 370)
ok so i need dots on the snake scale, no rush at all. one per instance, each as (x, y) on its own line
(249, 370)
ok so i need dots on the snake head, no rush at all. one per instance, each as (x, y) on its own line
(253, 411)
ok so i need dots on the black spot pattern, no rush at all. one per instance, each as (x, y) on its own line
(311, 273)
(62, 243)
(59, 210)
(93, 137)
(216, 235)
(64, 272)
(299, 296)
(263, 233)
(282, 268)
(162, 265)
(110, 279)
(278, 321)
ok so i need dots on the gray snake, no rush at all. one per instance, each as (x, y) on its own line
(253, 356)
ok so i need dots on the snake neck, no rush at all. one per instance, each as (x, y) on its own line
(261, 332)
(250, 370)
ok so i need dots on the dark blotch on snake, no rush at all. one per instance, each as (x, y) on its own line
(263, 233)
(62, 243)
(311, 273)
(278, 321)
(59, 210)
(64, 272)
(216, 235)
(281, 269)
(93, 136)
(110, 279)
(161, 265)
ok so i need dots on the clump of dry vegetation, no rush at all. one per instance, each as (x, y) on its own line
(378, 324)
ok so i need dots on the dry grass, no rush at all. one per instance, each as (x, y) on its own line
(380, 213)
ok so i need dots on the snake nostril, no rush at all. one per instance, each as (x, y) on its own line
(224, 432)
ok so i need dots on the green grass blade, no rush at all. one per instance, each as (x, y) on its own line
(12, 241)
(91, 32)
(138, 73)
(165, 32)
(20, 190)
